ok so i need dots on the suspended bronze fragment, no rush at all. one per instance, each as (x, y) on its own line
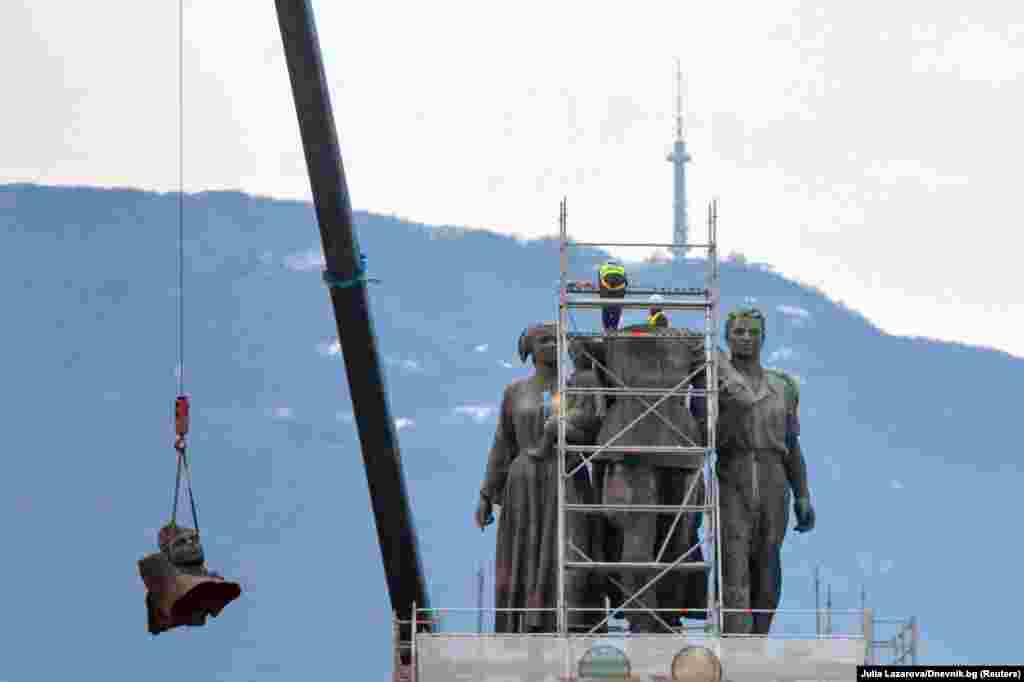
(179, 588)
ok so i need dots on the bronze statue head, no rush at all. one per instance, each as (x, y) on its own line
(745, 332)
(180, 545)
(540, 342)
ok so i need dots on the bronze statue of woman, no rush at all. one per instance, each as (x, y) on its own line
(522, 478)
(759, 462)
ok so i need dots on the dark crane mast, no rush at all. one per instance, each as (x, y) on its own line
(396, 531)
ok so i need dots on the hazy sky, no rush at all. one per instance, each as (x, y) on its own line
(867, 148)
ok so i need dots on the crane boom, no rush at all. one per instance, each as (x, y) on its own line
(396, 531)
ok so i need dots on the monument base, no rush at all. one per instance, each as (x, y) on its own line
(551, 658)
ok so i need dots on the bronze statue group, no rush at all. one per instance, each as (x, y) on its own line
(760, 469)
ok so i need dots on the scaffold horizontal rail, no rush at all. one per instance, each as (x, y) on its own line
(639, 565)
(677, 335)
(598, 302)
(626, 391)
(671, 245)
(647, 508)
(642, 449)
(644, 291)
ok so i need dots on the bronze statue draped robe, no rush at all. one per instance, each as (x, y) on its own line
(522, 477)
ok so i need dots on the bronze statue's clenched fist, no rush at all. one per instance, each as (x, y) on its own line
(484, 515)
(804, 514)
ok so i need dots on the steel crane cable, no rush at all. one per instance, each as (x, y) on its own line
(181, 404)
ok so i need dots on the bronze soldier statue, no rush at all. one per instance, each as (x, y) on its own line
(759, 462)
(522, 478)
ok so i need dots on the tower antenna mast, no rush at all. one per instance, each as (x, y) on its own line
(679, 158)
(679, 101)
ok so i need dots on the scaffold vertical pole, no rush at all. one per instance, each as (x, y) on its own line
(715, 600)
(817, 600)
(560, 350)
(396, 642)
(480, 600)
(869, 636)
(915, 639)
(413, 663)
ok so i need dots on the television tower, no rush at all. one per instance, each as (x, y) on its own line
(679, 158)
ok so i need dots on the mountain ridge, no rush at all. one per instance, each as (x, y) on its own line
(907, 440)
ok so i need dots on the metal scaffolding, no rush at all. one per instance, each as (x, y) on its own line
(426, 647)
(902, 647)
(694, 300)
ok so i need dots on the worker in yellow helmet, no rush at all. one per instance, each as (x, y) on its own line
(656, 318)
(612, 283)
(612, 279)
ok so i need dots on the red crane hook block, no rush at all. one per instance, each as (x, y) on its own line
(181, 415)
